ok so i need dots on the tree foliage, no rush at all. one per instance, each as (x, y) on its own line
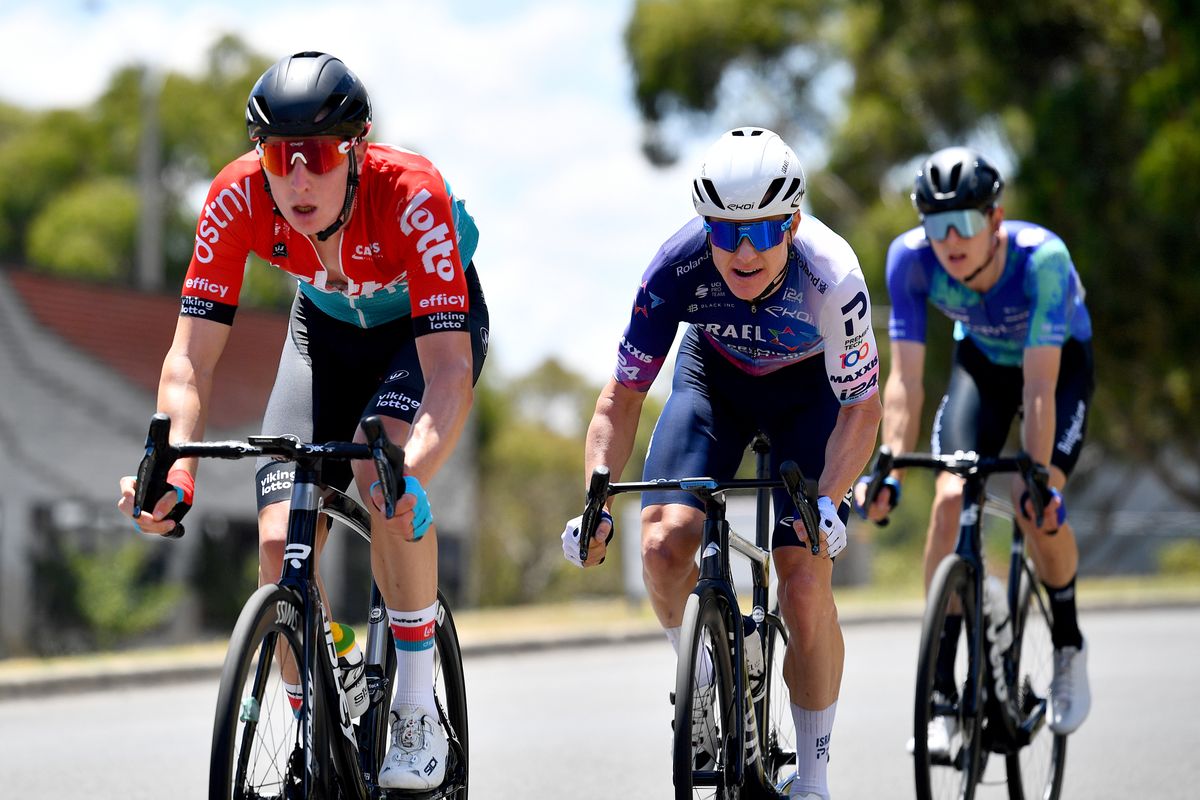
(530, 434)
(73, 202)
(1094, 103)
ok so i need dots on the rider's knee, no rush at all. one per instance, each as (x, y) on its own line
(272, 533)
(668, 545)
(807, 603)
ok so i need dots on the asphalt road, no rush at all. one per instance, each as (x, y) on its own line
(594, 723)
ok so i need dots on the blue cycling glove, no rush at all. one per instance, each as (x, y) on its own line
(422, 513)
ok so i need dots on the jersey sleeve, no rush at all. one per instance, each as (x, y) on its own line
(651, 331)
(908, 288)
(851, 354)
(437, 284)
(223, 242)
(1048, 283)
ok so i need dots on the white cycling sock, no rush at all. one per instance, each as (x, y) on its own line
(813, 731)
(412, 633)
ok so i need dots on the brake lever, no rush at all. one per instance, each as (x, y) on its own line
(157, 461)
(389, 462)
(883, 467)
(800, 491)
(597, 496)
(1037, 484)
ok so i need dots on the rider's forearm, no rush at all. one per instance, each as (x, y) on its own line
(183, 393)
(1038, 427)
(850, 446)
(611, 434)
(439, 424)
(902, 404)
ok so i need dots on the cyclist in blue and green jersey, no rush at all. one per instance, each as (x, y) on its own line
(1023, 347)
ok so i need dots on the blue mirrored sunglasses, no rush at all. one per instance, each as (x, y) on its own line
(967, 222)
(763, 235)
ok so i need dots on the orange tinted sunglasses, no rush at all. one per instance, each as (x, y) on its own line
(318, 155)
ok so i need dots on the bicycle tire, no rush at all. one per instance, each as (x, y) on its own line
(777, 729)
(257, 739)
(450, 693)
(1035, 772)
(959, 776)
(705, 630)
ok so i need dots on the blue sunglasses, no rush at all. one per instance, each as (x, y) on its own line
(763, 235)
(967, 222)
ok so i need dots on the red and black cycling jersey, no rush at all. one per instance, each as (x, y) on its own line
(402, 250)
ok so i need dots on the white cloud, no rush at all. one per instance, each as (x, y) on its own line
(526, 109)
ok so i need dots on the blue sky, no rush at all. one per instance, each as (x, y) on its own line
(525, 107)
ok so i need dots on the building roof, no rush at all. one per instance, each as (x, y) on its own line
(130, 332)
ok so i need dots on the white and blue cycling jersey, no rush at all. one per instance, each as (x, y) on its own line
(821, 307)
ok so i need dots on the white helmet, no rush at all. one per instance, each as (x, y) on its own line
(749, 173)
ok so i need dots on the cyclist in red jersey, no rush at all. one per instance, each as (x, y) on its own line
(389, 319)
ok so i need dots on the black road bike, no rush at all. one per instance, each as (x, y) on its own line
(1000, 701)
(261, 748)
(754, 764)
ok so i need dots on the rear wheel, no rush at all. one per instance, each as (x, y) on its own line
(704, 702)
(1035, 772)
(777, 730)
(449, 691)
(952, 774)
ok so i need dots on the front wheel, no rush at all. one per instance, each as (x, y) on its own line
(1035, 771)
(258, 740)
(705, 716)
(953, 766)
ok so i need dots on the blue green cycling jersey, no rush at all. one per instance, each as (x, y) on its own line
(1038, 300)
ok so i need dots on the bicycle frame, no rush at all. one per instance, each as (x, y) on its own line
(717, 540)
(1015, 729)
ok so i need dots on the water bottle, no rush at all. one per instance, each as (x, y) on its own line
(350, 662)
(995, 607)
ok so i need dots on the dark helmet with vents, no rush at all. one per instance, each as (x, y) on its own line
(308, 94)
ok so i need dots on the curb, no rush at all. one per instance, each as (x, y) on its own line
(90, 675)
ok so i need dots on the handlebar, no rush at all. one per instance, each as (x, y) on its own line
(803, 492)
(966, 465)
(160, 456)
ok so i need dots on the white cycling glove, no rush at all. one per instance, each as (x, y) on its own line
(832, 526)
(570, 537)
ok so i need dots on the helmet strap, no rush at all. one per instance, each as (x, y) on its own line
(986, 261)
(351, 191)
(775, 282)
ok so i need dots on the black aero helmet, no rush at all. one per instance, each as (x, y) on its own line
(956, 178)
(308, 94)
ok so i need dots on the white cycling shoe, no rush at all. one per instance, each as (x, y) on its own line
(416, 759)
(940, 733)
(1070, 695)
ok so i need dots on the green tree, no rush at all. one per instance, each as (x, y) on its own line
(531, 433)
(72, 206)
(1093, 102)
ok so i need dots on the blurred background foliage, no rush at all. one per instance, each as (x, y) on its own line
(1092, 107)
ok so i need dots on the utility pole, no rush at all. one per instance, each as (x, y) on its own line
(149, 268)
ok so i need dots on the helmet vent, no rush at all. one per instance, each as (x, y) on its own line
(772, 190)
(796, 184)
(331, 105)
(711, 190)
